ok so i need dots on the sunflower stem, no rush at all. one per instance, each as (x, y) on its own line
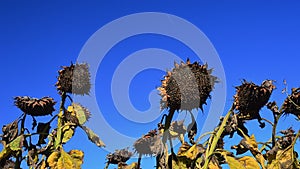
(58, 139)
(276, 119)
(167, 125)
(106, 166)
(211, 148)
(23, 123)
(139, 161)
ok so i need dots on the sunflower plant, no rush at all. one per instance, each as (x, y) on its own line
(39, 146)
(185, 88)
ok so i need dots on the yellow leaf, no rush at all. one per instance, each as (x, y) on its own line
(245, 162)
(188, 151)
(70, 109)
(249, 162)
(52, 160)
(77, 158)
(131, 166)
(213, 165)
(285, 159)
(64, 161)
(192, 152)
(251, 141)
(68, 132)
(42, 165)
(233, 163)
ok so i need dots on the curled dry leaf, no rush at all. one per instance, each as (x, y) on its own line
(93, 137)
(10, 132)
(43, 130)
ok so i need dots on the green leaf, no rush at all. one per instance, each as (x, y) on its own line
(93, 137)
(17, 143)
(80, 114)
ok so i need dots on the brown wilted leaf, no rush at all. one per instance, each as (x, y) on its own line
(93, 137)
(10, 132)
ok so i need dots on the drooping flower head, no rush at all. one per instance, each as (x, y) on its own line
(119, 156)
(149, 144)
(291, 104)
(187, 86)
(34, 106)
(250, 98)
(74, 79)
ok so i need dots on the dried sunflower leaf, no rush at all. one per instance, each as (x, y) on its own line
(284, 159)
(60, 160)
(43, 130)
(77, 158)
(93, 137)
(10, 132)
(249, 162)
(68, 132)
(52, 159)
(181, 162)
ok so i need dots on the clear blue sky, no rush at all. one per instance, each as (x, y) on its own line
(255, 40)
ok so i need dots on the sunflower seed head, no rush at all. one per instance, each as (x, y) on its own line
(74, 79)
(291, 104)
(187, 86)
(34, 106)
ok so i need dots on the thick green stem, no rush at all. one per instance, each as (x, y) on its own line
(58, 139)
(211, 148)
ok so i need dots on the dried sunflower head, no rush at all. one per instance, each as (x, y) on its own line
(34, 106)
(187, 86)
(250, 98)
(149, 144)
(291, 104)
(119, 156)
(74, 79)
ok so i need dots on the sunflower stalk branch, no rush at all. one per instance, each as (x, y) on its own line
(167, 125)
(211, 148)
(58, 140)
